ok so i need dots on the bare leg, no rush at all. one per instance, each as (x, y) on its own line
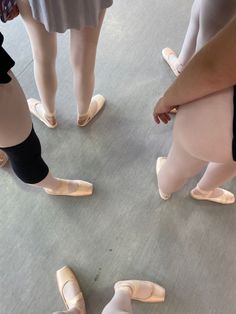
(44, 48)
(83, 56)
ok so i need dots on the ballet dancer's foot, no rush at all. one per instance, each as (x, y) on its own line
(174, 110)
(171, 58)
(217, 195)
(159, 164)
(70, 291)
(144, 291)
(3, 158)
(36, 108)
(96, 105)
(71, 188)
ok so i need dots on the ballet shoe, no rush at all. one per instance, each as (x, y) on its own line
(169, 54)
(224, 198)
(95, 107)
(84, 188)
(64, 276)
(3, 159)
(160, 162)
(34, 106)
(144, 291)
(174, 110)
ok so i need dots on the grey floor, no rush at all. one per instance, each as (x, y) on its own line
(125, 230)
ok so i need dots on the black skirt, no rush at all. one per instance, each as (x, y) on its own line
(6, 63)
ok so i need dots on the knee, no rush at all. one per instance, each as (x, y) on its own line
(83, 58)
(26, 160)
(44, 59)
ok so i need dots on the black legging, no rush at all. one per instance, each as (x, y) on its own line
(26, 160)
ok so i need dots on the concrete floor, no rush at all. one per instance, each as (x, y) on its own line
(124, 230)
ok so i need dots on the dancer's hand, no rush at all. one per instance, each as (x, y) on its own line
(161, 111)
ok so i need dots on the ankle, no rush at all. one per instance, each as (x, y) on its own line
(203, 190)
(125, 290)
(50, 116)
(55, 186)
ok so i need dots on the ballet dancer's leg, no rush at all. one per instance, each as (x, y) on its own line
(216, 175)
(120, 303)
(176, 170)
(83, 56)
(207, 18)
(199, 141)
(44, 48)
(214, 15)
(19, 141)
(125, 291)
(189, 45)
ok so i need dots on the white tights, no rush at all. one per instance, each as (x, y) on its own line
(207, 18)
(83, 54)
(202, 134)
(203, 129)
(119, 304)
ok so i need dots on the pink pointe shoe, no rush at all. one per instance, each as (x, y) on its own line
(160, 162)
(144, 291)
(72, 188)
(95, 107)
(172, 60)
(36, 108)
(65, 276)
(3, 159)
(225, 197)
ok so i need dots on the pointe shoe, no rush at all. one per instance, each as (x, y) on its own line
(65, 275)
(84, 188)
(96, 105)
(159, 164)
(224, 198)
(3, 159)
(34, 106)
(153, 293)
(175, 66)
(174, 110)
